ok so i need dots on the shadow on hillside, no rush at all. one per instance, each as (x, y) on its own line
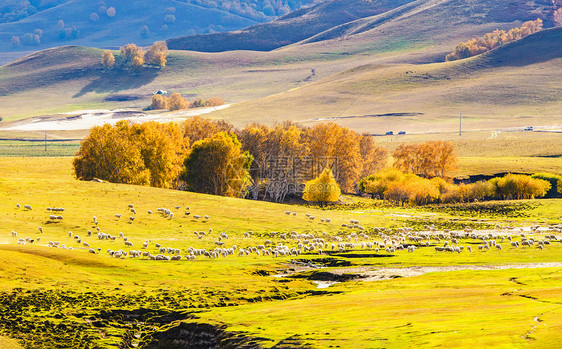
(118, 80)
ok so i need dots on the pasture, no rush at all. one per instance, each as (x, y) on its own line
(63, 298)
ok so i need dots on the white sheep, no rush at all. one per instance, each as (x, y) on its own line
(117, 215)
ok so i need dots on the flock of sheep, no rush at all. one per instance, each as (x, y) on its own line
(353, 237)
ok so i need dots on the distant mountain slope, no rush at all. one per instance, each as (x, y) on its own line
(288, 29)
(338, 19)
(110, 23)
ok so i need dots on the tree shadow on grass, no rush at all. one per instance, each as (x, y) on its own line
(118, 79)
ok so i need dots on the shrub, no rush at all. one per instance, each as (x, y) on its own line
(177, 102)
(555, 183)
(513, 186)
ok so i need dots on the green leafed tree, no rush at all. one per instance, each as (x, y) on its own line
(217, 166)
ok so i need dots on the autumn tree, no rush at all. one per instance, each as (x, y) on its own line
(163, 149)
(492, 40)
(322, 189)
(177, 102)
(132, 55)
(429, 159)
(198, 128)
(215, 102)
(107, 59)
(111, 12)
(159, 102)
(16, 41)
(110, 153)
(157, 54)
(341, 145)
(374, 158)
(277, 151)
(217, 166)
(377, 184)
(557, 17)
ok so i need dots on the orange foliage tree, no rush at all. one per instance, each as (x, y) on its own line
(492, 40)
(132, 55)
(107, 59)
(157, 54)
(429, 159)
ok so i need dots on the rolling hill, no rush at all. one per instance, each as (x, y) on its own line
(34, 25)
(338, 19)
(514, 85)
(377, 73)
(288, 29)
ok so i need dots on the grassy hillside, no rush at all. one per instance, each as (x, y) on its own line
(515, 85)
(419, 20)
(288, 29)
(54, 297)
(83, 23)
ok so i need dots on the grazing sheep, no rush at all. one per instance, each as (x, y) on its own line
(196, 216)
(131, 206)
(18, 205)
(40, 230)
(28, 207)
(128, 243)
(149, 212)
(132, 218)
(287, 212)
(206, 217)
(178, 207)
(187, 213)
(117, 215)
(133, 211)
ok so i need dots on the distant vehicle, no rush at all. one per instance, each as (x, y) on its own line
(161, 92)
(389, 133)
(529, 128)
(402, 132)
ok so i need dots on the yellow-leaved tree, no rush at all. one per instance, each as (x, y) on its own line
(322, 189)
(107, 59)
(157, 54)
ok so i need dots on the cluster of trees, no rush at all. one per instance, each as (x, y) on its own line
(133, 56)
(269, 163)
(15, 10)
(394, 185)
(103, 11)
(28, 38)
(147, 154)
(258, 161)
(260, 10)
(287, 155)
(492, 40)
(177, 102)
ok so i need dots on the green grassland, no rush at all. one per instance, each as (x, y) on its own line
(87, 300)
